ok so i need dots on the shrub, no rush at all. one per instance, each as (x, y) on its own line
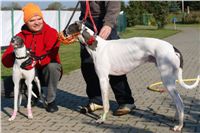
(191, 18)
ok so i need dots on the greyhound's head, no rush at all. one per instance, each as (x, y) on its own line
(19, 47)
(73, 28)
(86, 36)
(17, 42)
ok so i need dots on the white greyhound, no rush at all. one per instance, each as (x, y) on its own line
(21, 55)
(118, 57)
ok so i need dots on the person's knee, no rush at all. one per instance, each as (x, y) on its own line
(53, 67)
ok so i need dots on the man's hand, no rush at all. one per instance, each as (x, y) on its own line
(28, 64)
(105, 32)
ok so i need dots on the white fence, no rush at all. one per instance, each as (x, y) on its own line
(11, 22)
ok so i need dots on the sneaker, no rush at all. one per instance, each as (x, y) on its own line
(91, 107)
(52, 107)
(124, 109)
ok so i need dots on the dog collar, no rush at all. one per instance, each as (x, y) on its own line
(91, 40)
(23, 57)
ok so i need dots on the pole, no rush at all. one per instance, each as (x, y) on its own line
(12, 21)
(59, 20)
(182, 6)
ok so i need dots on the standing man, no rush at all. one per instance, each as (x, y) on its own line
(41, 40)
(105, 15)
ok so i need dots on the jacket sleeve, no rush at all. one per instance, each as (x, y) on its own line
(8, 57)
(51, 47)
(112, 11)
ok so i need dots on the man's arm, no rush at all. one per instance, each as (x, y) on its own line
(112, 11)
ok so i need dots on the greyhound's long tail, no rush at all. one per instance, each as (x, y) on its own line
(183, 84)
(180, 72)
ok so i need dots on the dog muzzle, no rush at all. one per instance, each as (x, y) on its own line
(69, 39)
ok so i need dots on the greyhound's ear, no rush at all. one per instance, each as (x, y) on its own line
(79, 23)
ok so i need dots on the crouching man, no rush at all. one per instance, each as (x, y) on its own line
(41, 41)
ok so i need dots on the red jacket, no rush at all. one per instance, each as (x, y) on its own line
(41, 43)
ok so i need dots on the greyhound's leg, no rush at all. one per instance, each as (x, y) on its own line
(29, 110)
(16, 94)
(169, 83)
(20, 94)
(20, 99)
(104, 84)
(37, 81)
(180, 109)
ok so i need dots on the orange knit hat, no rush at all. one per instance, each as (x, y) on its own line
(30, 10)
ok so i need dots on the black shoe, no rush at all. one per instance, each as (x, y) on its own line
(34, 101)
(124, 109)
(52, 107)
(91, 107)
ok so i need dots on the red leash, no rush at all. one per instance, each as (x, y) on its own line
(88, 12)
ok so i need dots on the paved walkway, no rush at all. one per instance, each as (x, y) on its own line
(154, 110)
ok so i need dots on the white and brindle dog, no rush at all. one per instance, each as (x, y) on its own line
(21, 55)
(118, 57)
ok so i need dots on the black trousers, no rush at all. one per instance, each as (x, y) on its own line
(118, 84)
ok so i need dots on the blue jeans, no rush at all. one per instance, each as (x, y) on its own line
(118, 84)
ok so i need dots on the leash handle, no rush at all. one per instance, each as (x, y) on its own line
(88, 13)
(72, 15)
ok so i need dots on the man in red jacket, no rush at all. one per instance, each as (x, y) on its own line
(41, 40)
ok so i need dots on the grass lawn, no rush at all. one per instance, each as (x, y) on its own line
(70, 56)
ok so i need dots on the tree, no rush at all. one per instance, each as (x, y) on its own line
(55, 6)
(174, 6)
(137, 9)
(13, 5)
(123, 7)
(160, 11)
(194, 5)
(134, 13)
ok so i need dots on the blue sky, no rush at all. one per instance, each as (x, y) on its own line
(42, 3)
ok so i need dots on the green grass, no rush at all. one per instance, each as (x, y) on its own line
(70, 54)
(70, 57)
(148, 31)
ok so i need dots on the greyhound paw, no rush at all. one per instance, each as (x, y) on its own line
(30, 116)
(100, 121)
(12, 118)
(177, 128)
